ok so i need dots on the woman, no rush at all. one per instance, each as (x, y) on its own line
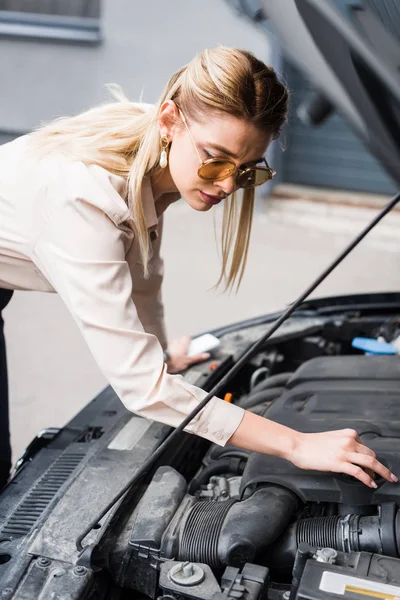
(81, 204)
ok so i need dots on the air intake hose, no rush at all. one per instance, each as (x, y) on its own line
(231, 532)
(378, 534)
(351, 533)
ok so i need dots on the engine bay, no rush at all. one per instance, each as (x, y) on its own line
(221, 522)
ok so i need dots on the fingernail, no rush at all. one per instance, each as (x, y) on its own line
(373, 484)
(393, 477)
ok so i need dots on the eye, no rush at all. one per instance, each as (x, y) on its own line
(208, 154)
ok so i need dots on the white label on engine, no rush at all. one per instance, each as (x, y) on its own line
(336, 583)
(128, 437)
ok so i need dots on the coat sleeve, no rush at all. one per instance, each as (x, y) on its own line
(147, 293)
(81, 252)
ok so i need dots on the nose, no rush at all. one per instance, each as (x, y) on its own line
(228, 185)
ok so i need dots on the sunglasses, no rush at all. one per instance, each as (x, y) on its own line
(217, 169)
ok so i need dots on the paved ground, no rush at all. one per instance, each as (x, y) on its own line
(51, 371)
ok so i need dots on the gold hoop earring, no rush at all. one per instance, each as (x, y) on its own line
(164, 152)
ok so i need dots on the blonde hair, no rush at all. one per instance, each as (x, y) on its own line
(123, 139)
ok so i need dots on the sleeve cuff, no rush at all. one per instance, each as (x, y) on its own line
(218, 421)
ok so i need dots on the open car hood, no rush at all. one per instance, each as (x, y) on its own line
(353, 63)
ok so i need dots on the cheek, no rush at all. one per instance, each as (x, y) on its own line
(183, 164)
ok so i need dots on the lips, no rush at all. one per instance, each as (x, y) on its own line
(211, 200)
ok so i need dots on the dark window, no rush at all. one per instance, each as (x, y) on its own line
(68, 20)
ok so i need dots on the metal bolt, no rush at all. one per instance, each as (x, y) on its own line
(44, 562)
(80, 570)
(286, 595)
(326, 555)
(186, 573)
(6, 592)
(187, 569)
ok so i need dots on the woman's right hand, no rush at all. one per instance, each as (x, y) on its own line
(339, 451)
(178, 359)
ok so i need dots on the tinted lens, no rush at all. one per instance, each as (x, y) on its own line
(215, 170)
(253, 177)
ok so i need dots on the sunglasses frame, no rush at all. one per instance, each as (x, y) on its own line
(237, 172)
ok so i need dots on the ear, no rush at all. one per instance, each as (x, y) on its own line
(168, 119)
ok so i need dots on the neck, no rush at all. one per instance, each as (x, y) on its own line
(162, 183)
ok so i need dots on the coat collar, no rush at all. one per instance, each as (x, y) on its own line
(152, 209)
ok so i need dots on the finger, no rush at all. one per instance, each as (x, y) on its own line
(192, 360)
(354, 440)
(184, 343)
(369, 470)
(363, 449)
(369, 462)
(358, 473)
(351, 433)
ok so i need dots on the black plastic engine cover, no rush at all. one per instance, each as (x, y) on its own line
(360, 392)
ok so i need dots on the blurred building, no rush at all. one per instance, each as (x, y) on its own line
(57, 55)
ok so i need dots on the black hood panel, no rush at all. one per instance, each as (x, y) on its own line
(353, 63)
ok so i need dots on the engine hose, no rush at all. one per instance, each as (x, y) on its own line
(218, 452)
(234, 533)
(229, 465)
(352, 533)
(278, 380)
(261, 372)
(260, 397)
(199, 538)
(322, 532)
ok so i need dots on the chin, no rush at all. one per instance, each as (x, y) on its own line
(195, 202)
(201, 207)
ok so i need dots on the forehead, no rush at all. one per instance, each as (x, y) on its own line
(238, 136)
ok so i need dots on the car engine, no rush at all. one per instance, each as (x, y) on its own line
(212, 522)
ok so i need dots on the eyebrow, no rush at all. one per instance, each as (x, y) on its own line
(223, 150)
(232, 154)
